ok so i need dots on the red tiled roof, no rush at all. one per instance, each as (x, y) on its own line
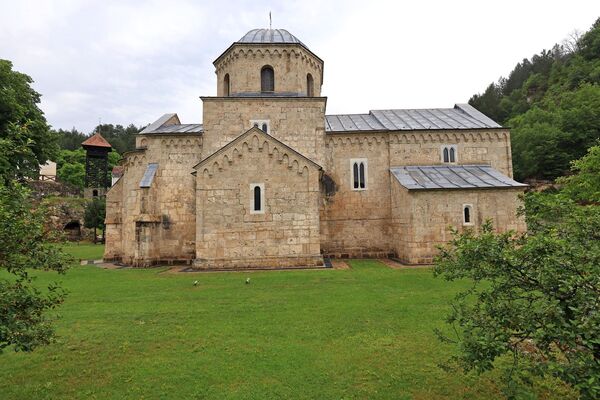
(96, 141)
(118, 170)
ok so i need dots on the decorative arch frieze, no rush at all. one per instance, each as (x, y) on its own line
(400, 137)
(288, 159)
(241, 52)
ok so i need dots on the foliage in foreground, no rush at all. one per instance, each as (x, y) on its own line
(534, 296)
(25, 143)
(24, 322)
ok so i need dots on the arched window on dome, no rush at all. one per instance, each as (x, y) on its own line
(310, 86)
(267, 79)
(226, 87)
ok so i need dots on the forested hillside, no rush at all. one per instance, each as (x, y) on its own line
(551, 102)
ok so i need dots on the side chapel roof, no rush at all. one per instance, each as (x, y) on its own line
(435, 177)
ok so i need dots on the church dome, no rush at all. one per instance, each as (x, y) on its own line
(269, 36)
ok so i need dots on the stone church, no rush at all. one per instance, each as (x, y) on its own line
(269, 180)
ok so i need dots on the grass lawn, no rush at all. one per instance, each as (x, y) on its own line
(85, 250)
(362, 333)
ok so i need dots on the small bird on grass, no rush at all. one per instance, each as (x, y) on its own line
(247, 281)
(195, 283)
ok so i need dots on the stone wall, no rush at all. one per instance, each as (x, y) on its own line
(355, 223)
(298, 122)
(359, 223)
(290, 63)
(229, 234)
(421, 219)
(156, 224)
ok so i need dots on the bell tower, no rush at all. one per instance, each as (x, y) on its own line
(96, 166)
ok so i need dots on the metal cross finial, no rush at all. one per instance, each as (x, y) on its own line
(270, 21)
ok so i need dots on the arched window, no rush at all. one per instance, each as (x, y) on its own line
(449, 153)
(310, 86)
(267, 79)
(264, 127)
(467, 214)
(359, 173)
(257, 198)
(226, 87)
(95, 193)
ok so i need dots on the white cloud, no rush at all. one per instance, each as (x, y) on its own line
(131, 61)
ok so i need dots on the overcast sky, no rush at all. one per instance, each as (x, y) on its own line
(131, 61)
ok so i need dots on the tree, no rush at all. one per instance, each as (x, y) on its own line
(25, 142)
(554, 98)
(25, 139)
(533, 296)
(23, 307)
(584, 185)
(95, 213)
(70, 140)
(121, 138)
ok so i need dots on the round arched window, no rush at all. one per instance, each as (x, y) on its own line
(267, 79)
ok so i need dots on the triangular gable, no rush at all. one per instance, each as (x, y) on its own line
(251, 131)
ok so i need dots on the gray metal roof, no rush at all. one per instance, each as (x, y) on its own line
(352, 122)
(169, 123)
(269, 36)
(462, 116)
(148, 177)
(180, 128)
(418, 177)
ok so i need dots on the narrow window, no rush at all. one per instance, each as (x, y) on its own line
(467, 214)
(448, 153)
(361, 168)
(226, 87)
(310, 86)
(359, 173)
(257, 198)
(267, 79)
(95, 193)
(262, 124)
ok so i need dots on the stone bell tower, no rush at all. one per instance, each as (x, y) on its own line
(97, 179)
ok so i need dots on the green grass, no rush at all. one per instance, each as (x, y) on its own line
(84, 250)
(363, 333)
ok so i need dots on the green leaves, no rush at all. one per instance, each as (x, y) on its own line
(23, 307)
(535, 295)
(552, 105)
(25, 139)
